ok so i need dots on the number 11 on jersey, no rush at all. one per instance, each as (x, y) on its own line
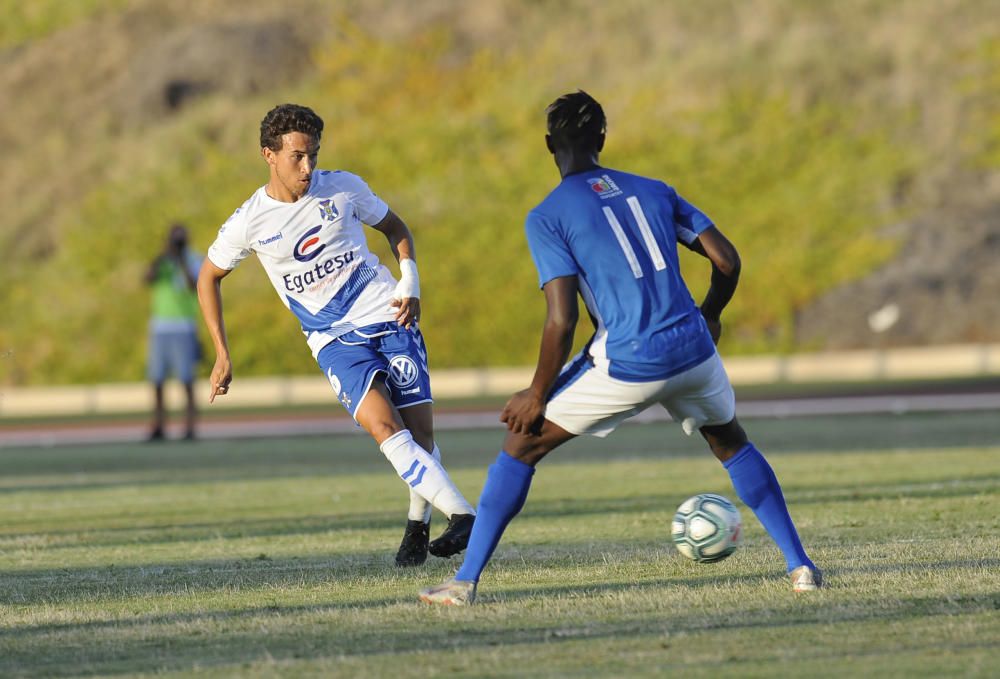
(647, 237)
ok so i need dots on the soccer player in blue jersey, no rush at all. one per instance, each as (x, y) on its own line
(612, 237)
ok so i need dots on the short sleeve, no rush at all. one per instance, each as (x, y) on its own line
(371, 208)
(231, 245)
(549, 249)
(689, 221)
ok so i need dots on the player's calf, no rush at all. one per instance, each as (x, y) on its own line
(425, 475)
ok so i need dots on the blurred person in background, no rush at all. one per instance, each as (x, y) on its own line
(173, 337)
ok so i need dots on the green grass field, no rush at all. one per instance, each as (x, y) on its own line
(268, 558)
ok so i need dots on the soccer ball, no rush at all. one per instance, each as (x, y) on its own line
(707, 528)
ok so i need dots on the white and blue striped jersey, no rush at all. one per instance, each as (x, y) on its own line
(618, 234)
(315, 253)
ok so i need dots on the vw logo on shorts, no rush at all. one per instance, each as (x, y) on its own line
(403, 371)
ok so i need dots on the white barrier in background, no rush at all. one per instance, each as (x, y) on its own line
(847, 366)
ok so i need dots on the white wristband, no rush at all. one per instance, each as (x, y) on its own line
(409, 280)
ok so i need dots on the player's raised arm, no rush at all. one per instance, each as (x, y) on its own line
(524, 410)
(210, 300)
(407, 297)
(713, 245)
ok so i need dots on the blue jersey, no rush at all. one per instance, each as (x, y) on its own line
(618, 234)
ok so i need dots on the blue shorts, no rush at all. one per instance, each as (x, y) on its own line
(386, 351)
(172, 351)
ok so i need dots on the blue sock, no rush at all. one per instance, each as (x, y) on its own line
(506, 488)
(757, 486)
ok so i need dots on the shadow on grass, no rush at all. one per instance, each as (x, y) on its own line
(314, 631)
(143, 535)
(576, 507)
(717, 580)
(116, 583)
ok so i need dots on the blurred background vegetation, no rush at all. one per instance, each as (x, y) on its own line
(828, 140)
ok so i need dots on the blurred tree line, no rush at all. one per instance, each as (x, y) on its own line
(803, 129)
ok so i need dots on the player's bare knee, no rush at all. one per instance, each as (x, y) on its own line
(531, 455)
(723, 453)
(529, 449)
(523, 449)
(725, 440)
(380, 430)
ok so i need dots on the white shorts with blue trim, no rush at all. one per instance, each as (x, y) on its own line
(586, 400)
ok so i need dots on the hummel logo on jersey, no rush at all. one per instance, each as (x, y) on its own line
(604, 186)
(403, 371)
(270, 239)
(327, 210)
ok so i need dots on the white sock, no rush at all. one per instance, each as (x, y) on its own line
(424, 474)
(420, 509)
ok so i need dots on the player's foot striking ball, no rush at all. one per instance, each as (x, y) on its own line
(612, 237)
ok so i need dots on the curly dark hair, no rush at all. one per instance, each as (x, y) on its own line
(576, 120)
(286, 118)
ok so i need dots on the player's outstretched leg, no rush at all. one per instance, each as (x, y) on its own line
(415, 466)
(758, 488)
(507, 484)
(424, 474)
(503, 496)
(506, 489)
(419, 419)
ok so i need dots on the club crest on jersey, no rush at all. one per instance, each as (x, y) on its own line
(309, 246)
(604, 186)
(403, 371)
(327, 210)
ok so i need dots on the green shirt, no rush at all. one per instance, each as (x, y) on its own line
(172, 297)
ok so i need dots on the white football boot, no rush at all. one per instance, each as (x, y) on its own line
(805, 579)
(450, 593)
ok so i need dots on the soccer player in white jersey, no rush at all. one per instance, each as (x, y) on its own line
(613, 238)
(306, 228)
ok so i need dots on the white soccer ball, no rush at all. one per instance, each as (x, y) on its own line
(707, 528)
